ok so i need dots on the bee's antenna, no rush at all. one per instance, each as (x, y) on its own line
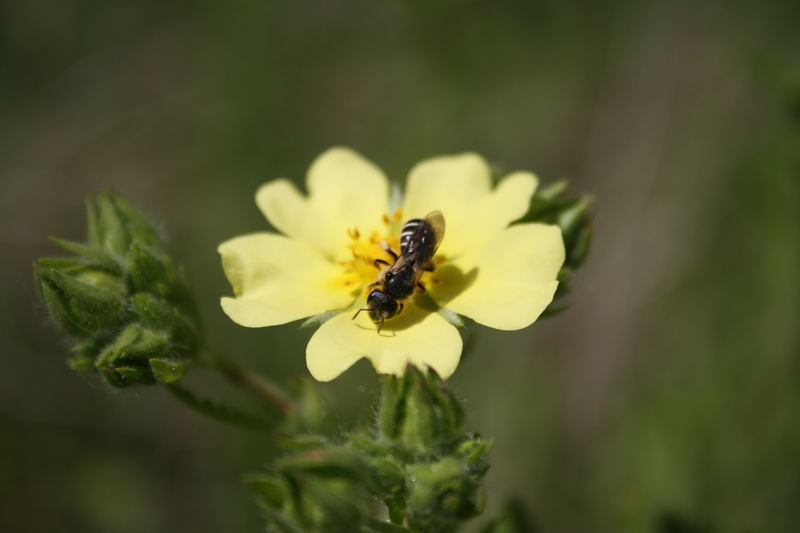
(359, 311)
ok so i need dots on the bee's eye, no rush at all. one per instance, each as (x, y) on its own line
(389, 275)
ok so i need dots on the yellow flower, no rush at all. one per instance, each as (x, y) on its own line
(498, 275)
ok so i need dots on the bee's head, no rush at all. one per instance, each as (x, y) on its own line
(381, 306)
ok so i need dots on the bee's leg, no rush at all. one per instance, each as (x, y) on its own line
(402, 305)
(430, 267)
(388, 250)
(374, 284)
(380, 325)
(421, 288)
(379, 263)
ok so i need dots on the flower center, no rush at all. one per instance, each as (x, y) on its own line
(370, 256)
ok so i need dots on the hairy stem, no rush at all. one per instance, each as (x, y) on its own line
(268, 391)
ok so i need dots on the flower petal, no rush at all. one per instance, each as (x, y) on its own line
(345, 191)
(507, 283)
(278, 280)
(460, 187)
(416, 336)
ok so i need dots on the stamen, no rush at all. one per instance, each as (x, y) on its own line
(353, 233)
(398, 214)
(385, 219)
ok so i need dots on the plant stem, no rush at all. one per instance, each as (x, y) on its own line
(258, 385)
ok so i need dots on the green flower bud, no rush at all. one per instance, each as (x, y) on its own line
(147, 271)
(123, 297)
(474, 453)
(443, 494)
(416, 461)
(119, 225)
(81, 302)
(419, 413)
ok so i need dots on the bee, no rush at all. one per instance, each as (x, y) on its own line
(419, 240)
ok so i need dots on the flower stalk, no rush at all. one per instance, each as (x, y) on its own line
(261, 387)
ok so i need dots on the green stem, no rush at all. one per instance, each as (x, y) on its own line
(258, 385)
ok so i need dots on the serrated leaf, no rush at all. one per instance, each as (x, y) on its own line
(217, 410)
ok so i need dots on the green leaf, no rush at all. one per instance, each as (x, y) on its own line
(218, 411)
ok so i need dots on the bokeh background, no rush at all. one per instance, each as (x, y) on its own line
(667, 398)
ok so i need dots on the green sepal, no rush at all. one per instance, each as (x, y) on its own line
(389, 484)
(442, 495)
(269, 490)
(82, 303)
(154, 313)
(135, 375)
(474, 453)
(393, 406)
(335, 462)
(148, 271)
(90, 255)
(137, 346)
(339, 513)
(119, 224)
(82, 363)
(167, 370)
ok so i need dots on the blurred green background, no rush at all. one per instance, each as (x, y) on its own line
(667, 398)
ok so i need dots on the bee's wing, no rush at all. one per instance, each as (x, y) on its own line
(436, 220)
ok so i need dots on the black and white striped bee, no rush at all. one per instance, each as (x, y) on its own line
(396, 282)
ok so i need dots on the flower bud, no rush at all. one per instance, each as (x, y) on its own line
(443, 494)
(119, 224)
(416, 461)
(122, 297)
(81, 302)
(418, 412)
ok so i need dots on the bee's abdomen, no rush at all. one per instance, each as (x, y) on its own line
(409, 228)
